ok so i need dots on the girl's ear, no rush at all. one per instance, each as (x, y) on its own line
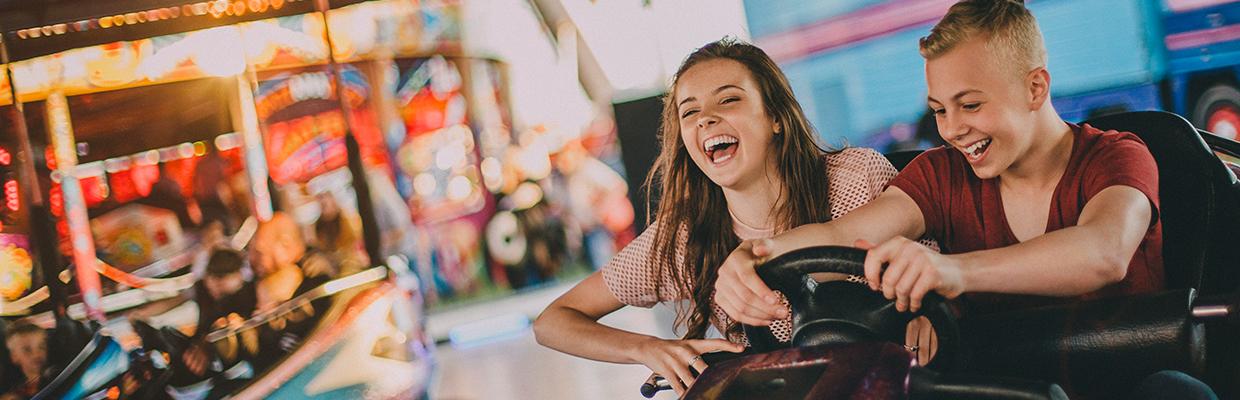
(779, 128)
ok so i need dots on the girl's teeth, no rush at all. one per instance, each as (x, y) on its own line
(716, 141)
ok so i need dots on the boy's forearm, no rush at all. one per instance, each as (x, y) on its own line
(890, 215)
(1070, 261)
(808, 235)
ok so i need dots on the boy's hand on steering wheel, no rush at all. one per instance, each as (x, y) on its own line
(674, 359)
(741, 293)
(912, 271)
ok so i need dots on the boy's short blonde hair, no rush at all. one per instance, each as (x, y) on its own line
(1011, 33)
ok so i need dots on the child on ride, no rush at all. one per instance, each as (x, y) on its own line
(27, 344)
(1029, 209)
(221, 295)
(739, 161)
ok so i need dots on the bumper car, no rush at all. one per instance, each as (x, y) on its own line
(847, 341)
(368, 344)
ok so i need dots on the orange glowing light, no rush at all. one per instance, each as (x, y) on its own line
(218, 9)
(258, 6)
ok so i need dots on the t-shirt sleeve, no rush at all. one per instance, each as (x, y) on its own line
(1124, 162)
(917, 179)
(631, 275)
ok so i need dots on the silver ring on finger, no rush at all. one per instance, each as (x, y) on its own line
(694, 360)
(911, 349)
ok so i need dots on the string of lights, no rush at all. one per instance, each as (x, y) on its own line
(214, 9)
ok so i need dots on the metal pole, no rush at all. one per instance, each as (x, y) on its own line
(245, 121)
(365, 205)
(61, 132)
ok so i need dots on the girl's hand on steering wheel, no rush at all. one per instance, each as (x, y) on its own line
(920, 339)
(741, 293)
(674, 359)
(912, 271)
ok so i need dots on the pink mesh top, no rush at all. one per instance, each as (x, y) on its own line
(857, 175)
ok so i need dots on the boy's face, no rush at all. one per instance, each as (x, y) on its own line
(982, 107)
(220, 286)
(28, 351)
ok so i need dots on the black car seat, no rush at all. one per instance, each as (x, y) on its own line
(1200, 211)
(900, 159)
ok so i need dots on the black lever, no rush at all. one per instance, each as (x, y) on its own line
(653, 385)
(657, 383)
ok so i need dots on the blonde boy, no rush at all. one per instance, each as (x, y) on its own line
(1028, 209)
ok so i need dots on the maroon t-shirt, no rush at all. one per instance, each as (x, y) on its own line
(964, 213)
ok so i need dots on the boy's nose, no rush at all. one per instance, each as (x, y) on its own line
(950, 128)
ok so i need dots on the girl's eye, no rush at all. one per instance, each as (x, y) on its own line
(729, 100)
(972, 106)
(939, 111)
(688, 113)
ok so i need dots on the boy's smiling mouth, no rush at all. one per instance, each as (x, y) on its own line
(720, 148)
(975, 151)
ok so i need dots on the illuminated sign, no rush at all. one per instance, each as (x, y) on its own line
(310, 85)
(10, 195)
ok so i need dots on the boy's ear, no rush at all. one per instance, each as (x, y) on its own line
(1039, 86)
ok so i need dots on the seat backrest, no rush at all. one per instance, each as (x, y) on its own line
(900, 159)
(1198, 201)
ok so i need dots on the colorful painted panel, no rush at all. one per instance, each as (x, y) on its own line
(437, 172)
(304, 135)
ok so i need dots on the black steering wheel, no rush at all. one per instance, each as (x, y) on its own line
(845, 312)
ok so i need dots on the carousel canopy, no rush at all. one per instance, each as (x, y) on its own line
(33, 28)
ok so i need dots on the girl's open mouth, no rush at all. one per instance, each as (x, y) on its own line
(720, 148)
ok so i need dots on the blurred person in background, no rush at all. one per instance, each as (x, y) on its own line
(286, 268)
(221, 294)
(597, 200)
(27, 344)
(338, 233)
(279, 246)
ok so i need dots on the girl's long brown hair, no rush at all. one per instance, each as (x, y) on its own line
(692, 211)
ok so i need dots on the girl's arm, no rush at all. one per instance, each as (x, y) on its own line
(570, 324)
